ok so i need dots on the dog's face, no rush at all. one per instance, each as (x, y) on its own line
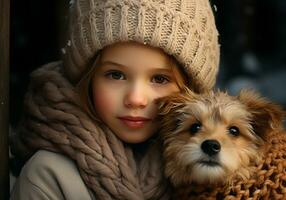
(210, 138)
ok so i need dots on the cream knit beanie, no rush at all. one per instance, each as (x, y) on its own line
(184, 29)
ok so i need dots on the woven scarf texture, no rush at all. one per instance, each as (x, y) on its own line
(54, 120)
(267, 183)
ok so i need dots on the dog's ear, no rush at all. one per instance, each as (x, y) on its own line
(266, 115)
(174, 101)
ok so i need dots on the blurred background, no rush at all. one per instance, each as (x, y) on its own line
(252, 38)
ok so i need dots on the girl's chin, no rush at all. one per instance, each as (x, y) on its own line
(134, 138)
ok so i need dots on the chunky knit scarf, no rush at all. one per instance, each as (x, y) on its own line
(55, 121)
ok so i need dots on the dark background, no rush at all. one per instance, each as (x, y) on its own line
(252, 38)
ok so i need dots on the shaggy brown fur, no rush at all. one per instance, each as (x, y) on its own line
(218, 146)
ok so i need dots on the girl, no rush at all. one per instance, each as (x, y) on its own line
(89, 129)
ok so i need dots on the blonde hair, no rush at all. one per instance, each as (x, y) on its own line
(84, 87)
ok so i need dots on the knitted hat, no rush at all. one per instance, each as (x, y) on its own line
(184, 29)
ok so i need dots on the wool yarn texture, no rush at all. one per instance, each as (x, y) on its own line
(184, 29)
(55, 121)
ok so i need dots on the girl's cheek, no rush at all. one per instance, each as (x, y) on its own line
(102, 101)
(163, 92)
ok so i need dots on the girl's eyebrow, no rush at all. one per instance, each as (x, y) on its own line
(112, 63)
(107, 62)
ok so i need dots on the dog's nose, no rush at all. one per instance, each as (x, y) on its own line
(211, 147)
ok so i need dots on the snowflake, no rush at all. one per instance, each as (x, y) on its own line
(71, 3)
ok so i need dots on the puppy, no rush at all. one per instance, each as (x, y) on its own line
(213, 141)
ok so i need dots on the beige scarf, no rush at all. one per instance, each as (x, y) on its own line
(54, 120)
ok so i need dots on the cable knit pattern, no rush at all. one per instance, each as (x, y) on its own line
(184, 29)
(54, 120)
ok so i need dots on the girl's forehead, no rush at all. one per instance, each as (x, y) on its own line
(130, 54)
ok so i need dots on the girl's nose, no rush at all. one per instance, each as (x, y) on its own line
(136, 98)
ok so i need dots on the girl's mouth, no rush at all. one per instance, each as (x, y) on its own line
(134, 122)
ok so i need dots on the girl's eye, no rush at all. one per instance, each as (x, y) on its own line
(233, 130)
(161, 79)
(116, 75)
(195, 128)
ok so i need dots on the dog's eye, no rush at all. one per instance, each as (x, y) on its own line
(195, 128)
(233, 130)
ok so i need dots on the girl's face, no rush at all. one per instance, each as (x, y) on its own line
(127, 80)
